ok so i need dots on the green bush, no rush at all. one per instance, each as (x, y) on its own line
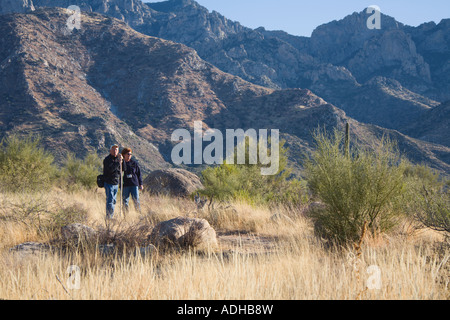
(356, 186)
(428, 198)
(81, 173)
(245, 182)
(24, 166)
(433, 209)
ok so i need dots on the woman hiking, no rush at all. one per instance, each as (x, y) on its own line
(132, 180)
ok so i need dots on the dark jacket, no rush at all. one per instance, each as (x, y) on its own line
(111, 170)
(132, 174)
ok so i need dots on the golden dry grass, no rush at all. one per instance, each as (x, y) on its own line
(257, 258)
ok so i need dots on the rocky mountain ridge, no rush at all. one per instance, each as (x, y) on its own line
(81, 78)
(339, 62)
(46, 91)
(83, 90)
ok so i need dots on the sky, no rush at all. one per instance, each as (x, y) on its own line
(300, 17)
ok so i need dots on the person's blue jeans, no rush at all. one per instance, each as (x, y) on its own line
(111, 195)
(134, 193)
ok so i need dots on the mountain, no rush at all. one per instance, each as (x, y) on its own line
(342, 61)
(387, 52)
(46, 90)
(81, 90)
(433, 43)
(433, 126)
(340, 57)
(14, 6)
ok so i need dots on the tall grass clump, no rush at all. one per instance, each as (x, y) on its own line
(24, 165)
(356, 186)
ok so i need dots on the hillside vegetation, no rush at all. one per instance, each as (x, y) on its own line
(266, 250)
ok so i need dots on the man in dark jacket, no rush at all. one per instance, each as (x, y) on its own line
(132, 180)
(112, 175)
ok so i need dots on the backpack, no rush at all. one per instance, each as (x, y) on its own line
(100, 181)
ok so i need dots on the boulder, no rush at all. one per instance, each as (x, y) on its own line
(183, 232)
(172, 182)
(77, 232)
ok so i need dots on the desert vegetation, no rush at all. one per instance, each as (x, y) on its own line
(367, 225)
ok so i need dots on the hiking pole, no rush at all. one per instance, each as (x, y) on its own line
(121, 190)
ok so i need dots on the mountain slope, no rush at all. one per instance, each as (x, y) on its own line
(340, 57)
(46, 90)
(433, 43)
(16, 6)
(433, 126)
(84, 89)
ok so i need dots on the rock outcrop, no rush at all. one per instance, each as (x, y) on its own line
(183, 232)
(172, 182)
(133, 12)
(77, 232)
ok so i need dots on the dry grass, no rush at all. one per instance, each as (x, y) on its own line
(258, 258)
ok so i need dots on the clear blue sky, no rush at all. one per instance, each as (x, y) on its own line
(301, 17)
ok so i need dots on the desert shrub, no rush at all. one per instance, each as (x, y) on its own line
(428, 198)
(64, 215)
(246, 183)
(433, 209)
(80, 173)
(356, 186)
(40, 212)
(24, 166)
(29, 209)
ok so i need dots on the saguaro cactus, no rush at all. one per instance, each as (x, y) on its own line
(347, 140)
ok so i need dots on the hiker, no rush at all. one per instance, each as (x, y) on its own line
(132, 180)
(112, 175)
